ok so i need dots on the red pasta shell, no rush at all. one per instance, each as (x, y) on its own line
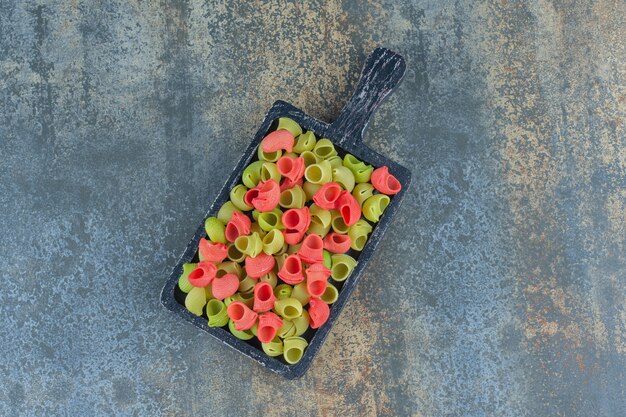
(202, 275)
(278, 139)
(287, 184)
(384, 182)
(225, 286)
(241, 315)
(263, 297)
(269, 323)
(265, 196)
(349, 208)
(326, 197)
(291, 272)
(292, 236)
(239, 225)
(337, 243)
(312, 249)
(289, 167)
(318, 312)
(316, 279)
(212, 251)
(260, 265)
(297, 219)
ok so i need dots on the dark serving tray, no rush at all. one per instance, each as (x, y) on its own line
(382, 72)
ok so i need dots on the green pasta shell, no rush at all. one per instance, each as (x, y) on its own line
(183, 281)
(289, 124)
(216, 312)
(271, 278)
(358, 234)
(268, 156)
(319, 173)
(301, 323)
(335, 161)
(237, 195)
(229, 267)
(324, 149)
(362, 192)
(309, 158)
(328, 262)
(273, 241)
(344, 177)
(330, 294)
(273, 348)
(362, 172)
(305, 142)
(375, 206)
(320, 220)
(226, 212)
(289, 308)
(235, 254)
(292, 198)
(239, 334)
(293, 349)
(270, 220)
(196, 300)
(310, 189)
(251, 245)
(269, 171)
(246, 285)
(252, 174)
(288, 329)
(342, 267)
(300, 293)
(215, 229)
(337, 222)
(283, 291)
(247, 299)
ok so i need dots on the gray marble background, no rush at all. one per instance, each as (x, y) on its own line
(499, 290)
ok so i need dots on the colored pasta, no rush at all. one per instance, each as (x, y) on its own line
(320, 220)
(269, 156)
(270, 220)
(375, 206)
(273, 242)
(310, 189)
(358, 233)
(215, 229)
(344, 177)
(342, 266)
(274, 347)
(324, 149)
(250, 245)
(217, 313)
(289, 124)
(362, 192)
(226, 212)
(196, 300)
(361, 171)
(288, 308)
(252, 174)
(319, 173)
(330, 295)
(337, 223)
(243, 334)
(309, 158)
(237, 195)
(269, 171)
(292, 198)
(305, 142)
(294, 349)
(300, 293)
(183, 281)
(283, 291)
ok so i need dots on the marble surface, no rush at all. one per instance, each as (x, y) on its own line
(499, 290)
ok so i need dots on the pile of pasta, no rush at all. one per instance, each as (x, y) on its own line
(276, 252)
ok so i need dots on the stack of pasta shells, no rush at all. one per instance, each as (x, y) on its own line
(257, 274)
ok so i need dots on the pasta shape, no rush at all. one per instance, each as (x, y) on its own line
(362, 192)
(225, 286)
(203, 275)
(251, 245)
(283, 291)
(234, 254)
(237, 195)
(278, 139)
(273, 242)
(264, 297)
(337, 243)
(280, 261)
(319, 173)
(252, 174)
(331, 294)
(269, 171)
(286, 184)
(211, 251)
(260, 265)
(343, 265)
(217, 313)
(273, 348)
(238, 225)
(255, 228)
(345, 177)
(247, 299)
(361, 171)
(310, 189)
(288, 329)
(291, 271)
(320, 220)
(318, 312)
(358, 234)
(292, 168)
(270, 220)
(292, 198)
(263, 197)
(183, 281)
(268, 326)
(288, 308)
(349, 208)
(311, 250)
(293, 349)
(300, 293)
(243, 334)
(375, 206)
(196, 300)
(270, 278)
(328, 260)
(309, 158)
(247, 285)
(326, 197)
(316, 277)
(229, 267)
(293, 249)
(384, 182)
(305, 142)
(268, 156)
(337, 222)
(335, 161)
(225, 212)
(285, 123)
(301, 323)
(324, 149)
(241, 314)
(215, 229)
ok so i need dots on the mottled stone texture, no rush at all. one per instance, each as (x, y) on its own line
(499, 290)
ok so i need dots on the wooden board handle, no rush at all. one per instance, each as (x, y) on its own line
(382, 72)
